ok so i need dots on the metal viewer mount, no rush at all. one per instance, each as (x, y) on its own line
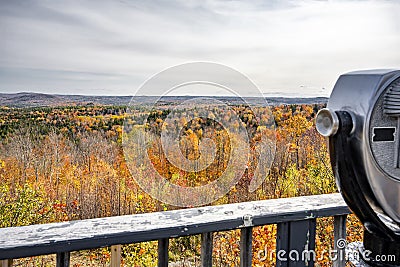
(362, 121)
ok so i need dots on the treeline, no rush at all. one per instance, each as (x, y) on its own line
(68, 120)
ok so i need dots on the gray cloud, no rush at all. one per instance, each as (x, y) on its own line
(110, 47)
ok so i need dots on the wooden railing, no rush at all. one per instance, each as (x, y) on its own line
(295, 219)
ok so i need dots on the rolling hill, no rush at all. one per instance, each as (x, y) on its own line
(28, 99)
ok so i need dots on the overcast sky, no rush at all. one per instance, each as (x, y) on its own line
(295, 48)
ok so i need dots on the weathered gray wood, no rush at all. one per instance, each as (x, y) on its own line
(6, 263)
(86, 234)
(206, 249)
(62, 259)
(295, 243)
(163, 252)
(115, 256)
(340, 236)
(246, 248)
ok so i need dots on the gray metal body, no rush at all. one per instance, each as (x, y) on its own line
(361, 94)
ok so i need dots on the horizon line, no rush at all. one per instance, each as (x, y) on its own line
(272, 94)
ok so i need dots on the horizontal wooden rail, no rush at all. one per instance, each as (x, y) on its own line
(62, 238)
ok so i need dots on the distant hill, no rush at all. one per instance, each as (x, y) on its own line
(26, 99)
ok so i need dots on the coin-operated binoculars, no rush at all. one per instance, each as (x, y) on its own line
(362, 121)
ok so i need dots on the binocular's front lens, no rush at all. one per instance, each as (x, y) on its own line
(327, 122)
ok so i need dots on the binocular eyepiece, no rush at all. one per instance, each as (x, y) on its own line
(362, 121)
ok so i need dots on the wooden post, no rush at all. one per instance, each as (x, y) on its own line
(115, 256)
(340, 240)
(62, 259)
(6, 263)
(295, 243)
(246, 248)
(163, 252)
(206, 249)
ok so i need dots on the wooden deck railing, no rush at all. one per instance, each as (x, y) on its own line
(295, 219)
